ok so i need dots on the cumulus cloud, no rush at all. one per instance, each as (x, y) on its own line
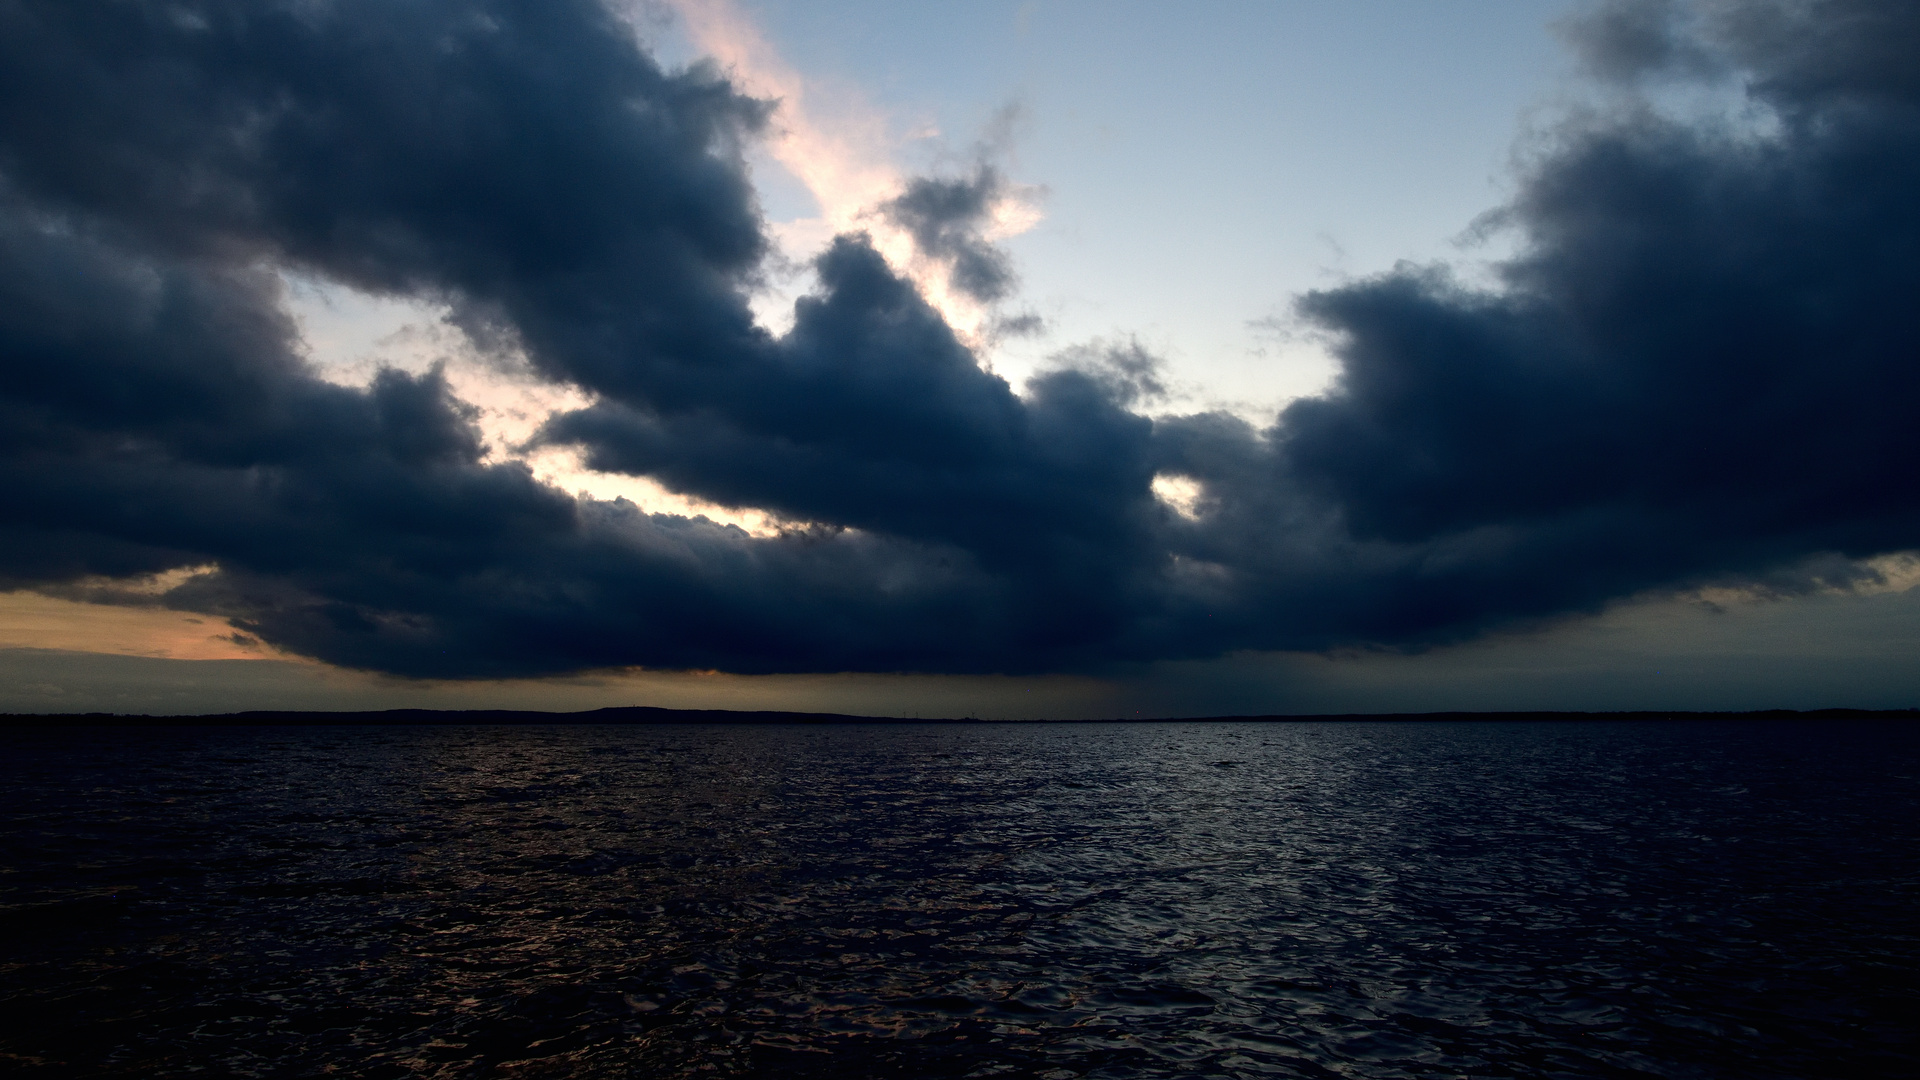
(1697, 368)
(948, 219)
(1701, 359)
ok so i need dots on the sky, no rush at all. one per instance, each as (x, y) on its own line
(1023, 360)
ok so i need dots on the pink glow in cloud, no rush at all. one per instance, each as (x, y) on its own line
(838, 147)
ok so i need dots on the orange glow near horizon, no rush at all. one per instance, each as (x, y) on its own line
(32, 621)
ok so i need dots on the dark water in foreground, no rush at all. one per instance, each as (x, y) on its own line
(1374, 900)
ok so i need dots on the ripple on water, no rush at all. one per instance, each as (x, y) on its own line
(1414, 900)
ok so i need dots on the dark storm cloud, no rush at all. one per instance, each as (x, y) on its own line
(1629, 40)
(528, 164)
(947, 219)
(1706, 358)
(1700, 366)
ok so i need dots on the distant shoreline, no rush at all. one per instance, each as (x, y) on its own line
(648, 715)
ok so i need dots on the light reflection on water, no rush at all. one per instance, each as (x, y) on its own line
(1378, 900)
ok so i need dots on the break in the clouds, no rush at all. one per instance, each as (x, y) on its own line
(1699, 367)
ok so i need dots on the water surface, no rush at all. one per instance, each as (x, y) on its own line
(1128, 900)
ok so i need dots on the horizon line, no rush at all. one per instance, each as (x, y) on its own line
(645, 715)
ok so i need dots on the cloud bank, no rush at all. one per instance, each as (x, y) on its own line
(1700, 367)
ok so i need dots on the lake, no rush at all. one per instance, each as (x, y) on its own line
(1576, 899)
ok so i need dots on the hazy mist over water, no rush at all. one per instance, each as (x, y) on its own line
(1178, 899)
